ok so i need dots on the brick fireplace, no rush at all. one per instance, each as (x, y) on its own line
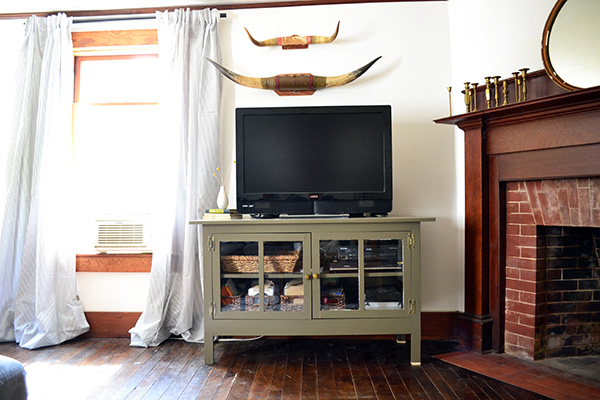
(552, 268)
(552, 138)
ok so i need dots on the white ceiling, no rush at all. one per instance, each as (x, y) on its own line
(31, 6)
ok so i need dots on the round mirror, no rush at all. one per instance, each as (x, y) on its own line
(571, 44)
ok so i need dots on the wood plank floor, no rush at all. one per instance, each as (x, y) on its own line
(298, 368)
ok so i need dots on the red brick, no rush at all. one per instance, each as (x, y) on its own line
(584, 204)
(513, 251)
(526, 342)
(525, 208)
(528, 275)
(529, 241)
(552, 216)
(517, 196)
(526, 297)
(528, 252)
(563, 200)
(575, 217)
(517, 284)
(528, 229)
(561, 184)
(595, 193)
(519, 352)
(596, 216)
(522, 330)
(532, 195)
(583, 182)
(524, 263)
(511, 316)
(512, 284)
(512, 295)
(513, 273)
(520, 308)
(512, 240)
(524, 219)
(511, 338)
(513, 229)
(572, 191)
(512, 186)
(527, 320)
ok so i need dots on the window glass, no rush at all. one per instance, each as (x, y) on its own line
(117, 79)
(116, 145)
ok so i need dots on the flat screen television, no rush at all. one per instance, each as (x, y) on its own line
(327, 160)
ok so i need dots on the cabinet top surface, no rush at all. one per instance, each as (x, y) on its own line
(312, 221)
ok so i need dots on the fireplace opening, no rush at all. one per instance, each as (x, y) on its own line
(571, 322)
(552, 272)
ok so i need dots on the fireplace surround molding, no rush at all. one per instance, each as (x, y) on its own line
(554, 135)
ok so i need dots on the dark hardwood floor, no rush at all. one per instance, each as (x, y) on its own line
(297, 368)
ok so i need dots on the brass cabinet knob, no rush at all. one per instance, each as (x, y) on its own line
(315, 276)
(307, 277)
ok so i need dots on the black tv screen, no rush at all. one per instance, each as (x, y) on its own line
(314, 160)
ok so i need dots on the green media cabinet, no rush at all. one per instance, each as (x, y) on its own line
(312, 276)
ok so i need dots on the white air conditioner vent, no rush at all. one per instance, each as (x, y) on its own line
(115, 236)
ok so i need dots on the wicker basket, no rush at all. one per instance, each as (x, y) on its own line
(272, 263)
(253, 303)
(292, 303)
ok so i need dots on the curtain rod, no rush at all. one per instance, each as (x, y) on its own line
(77, 20)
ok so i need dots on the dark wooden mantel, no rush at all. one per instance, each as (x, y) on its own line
(553, 135)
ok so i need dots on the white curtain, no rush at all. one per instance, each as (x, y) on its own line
(190, 101)
(39, 305)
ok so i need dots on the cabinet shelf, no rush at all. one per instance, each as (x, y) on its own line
(382, 274)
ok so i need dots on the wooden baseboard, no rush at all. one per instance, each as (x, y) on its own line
(111, 324)
(439, 325)
(434, 325)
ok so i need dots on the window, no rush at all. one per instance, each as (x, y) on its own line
(116, 143)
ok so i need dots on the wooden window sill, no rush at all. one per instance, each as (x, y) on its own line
(113, 262)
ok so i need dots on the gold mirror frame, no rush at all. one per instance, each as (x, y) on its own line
(550, 70)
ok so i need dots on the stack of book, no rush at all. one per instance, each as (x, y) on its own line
(221, 213)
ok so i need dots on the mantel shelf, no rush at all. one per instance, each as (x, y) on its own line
(554, 102)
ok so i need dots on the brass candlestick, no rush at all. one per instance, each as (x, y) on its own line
(505, 92)
(450, 99)
(488, 94)
(496, 78)
(474, 85)
(516, 76)
(524, 74)
(467, 96)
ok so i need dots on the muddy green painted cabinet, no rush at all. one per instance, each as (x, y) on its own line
(312, 276)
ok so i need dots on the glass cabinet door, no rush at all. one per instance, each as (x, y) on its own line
(338, 275)
(363, 274)
(384, 274)
(261, 274)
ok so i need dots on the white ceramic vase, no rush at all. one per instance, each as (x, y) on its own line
(222, 199)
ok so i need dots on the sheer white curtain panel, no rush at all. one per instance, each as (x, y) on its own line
(39, 304)
(190, 102)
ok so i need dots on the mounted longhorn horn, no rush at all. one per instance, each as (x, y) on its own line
(294, 84)
(295, 41)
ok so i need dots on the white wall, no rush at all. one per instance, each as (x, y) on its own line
(411, 76)
(494, 37)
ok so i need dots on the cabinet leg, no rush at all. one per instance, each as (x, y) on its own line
(415, 350)
(209, 349)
